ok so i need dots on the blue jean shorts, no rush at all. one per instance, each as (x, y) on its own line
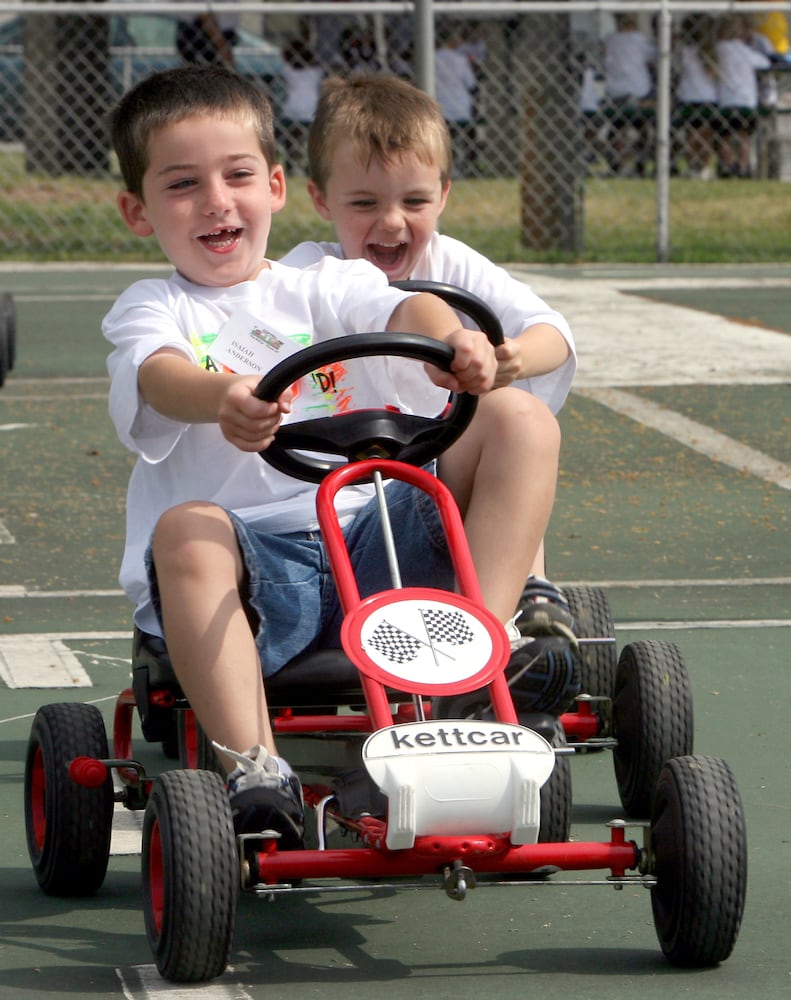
(290, 593)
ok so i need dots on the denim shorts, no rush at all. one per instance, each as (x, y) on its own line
(290, 590)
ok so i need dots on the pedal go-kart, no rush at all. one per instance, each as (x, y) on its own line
(425, 796)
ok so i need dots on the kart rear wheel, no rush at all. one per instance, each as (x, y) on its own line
(190, 876)
(556, 797)
(68, 826)
(652, 719)
(593, 620)
(699, 846)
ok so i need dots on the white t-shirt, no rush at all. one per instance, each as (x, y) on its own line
(513, 302)
(737, 86)
(180, 462)
(628, 56)
(695, 85)
(454, 83)
(302, 92)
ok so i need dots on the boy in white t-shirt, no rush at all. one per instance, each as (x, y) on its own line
(233, 543)
(380, 170)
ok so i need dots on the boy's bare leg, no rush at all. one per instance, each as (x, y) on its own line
(503, 473)
(209, 639)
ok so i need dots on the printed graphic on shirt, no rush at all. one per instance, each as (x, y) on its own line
(245, 346)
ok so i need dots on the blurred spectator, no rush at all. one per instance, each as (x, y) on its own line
(207, 38)
(629, 56)
(773, 24)
(737, 95)
(456, 84)
(358, 50)
(302, 75)
(696, 93)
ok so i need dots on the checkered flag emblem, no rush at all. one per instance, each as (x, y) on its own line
(447, 626)
(394, 643)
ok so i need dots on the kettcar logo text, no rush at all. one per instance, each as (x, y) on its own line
(472, 739)
(452, 737)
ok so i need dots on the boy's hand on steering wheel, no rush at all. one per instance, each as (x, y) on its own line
(474, 365)
(509, 363)
(247, 422)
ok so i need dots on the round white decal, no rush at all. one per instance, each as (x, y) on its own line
(425, 640)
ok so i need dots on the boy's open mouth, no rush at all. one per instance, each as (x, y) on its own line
(387, 255)
(221, 239)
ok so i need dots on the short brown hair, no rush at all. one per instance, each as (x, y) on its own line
(381, 117)
(172, 95)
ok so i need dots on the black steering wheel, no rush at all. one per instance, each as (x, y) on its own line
(368, 433)
(374, 433)
(459, 298)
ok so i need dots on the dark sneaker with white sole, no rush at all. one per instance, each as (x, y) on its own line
(544, 611)
(263, 798)
(544, 675)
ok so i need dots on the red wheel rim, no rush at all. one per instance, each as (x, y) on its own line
(191, 739)
(156, 889)
(38, 799)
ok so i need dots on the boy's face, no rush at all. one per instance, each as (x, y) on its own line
(384, 213)
(208, 197)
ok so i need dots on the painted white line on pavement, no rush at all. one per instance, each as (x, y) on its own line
(17, 591)
(6, 538)
(143, 981)
(35, 662)
(711, 623)
(697, 436)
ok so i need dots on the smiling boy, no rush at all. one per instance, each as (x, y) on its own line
(380, 164)
(221, 548)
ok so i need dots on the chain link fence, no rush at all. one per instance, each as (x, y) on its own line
(560, 154)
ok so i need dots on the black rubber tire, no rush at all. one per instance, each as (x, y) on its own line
(556, 797)
(195, 750)
(8, 318)
(699, 846)
(652, 719)
(5, 351)
(68, 826)
(593, 620)
(190, 876)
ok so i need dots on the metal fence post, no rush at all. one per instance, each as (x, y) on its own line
(424, 46)
(663, 133)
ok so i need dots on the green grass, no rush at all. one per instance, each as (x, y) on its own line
(75, 218)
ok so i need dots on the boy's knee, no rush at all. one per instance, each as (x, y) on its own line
(188, 524)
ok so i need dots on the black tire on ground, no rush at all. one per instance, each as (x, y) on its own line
(195, 750)
(556, 797)
(190, 876)
(68, 826)
(699, 845)
(593, 620)
(5, 352)
(8, 317)
(652, 719)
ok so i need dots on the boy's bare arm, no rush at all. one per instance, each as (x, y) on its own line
(474, 364)
(175, 387)
(538, 350)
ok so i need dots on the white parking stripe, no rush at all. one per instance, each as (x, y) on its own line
(143, 981)
(697, 436)
(35, 662)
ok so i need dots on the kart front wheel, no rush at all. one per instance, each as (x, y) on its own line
(699, 847)
(68, 826)
(190, 876)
